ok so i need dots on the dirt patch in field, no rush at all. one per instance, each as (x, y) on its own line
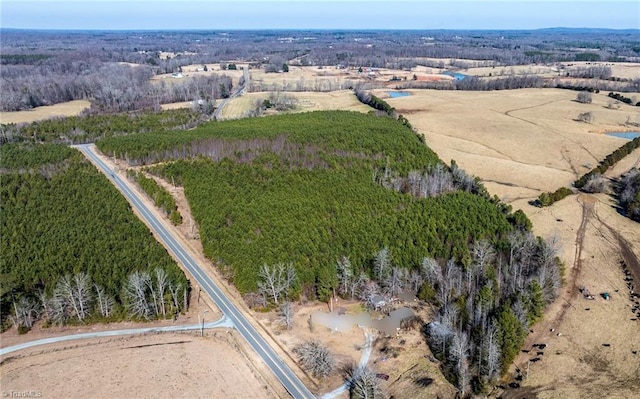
(71, 108)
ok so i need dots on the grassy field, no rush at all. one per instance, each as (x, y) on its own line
(307, 101)
(71, 108)
(523, 142)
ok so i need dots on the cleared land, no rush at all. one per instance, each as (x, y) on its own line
(182, 104)
(71, 108)
(151, 366)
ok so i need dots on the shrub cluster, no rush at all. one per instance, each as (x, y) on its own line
(547, 199)
(628, 190)
(623, 99)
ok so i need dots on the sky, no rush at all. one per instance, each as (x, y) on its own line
(318, 14)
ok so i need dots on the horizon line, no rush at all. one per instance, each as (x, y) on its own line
(311, 29)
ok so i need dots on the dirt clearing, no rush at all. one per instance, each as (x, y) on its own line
(151, 366)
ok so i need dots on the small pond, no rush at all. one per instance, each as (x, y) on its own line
(625, 135)
(396, 94)
(455, 75)
(345, 322)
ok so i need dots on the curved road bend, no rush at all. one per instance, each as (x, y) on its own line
(223, 322)
(236, 93)
(287, 377)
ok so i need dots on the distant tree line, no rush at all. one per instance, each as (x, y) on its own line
(113, 71)
(110, 87)
(608, 161)
(474, 83)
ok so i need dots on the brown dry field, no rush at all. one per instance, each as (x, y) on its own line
(520, 142)
(71, 108)
(170, 365)
(182, 104)
(523, 142)
(307, 101)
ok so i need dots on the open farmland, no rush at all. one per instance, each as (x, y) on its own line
(71, 108)
(151, 366)
(306, 101)
(521, 143)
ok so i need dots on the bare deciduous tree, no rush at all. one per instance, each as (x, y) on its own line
(276, 281)
(345, 276)
(136, 294)
(316, 358)
(416, 280)
(174, 290)
(395, 281)
(584, 97)
(382, 264)
(491, 351)
(161, 287)
(367, 288)
(105, 301)
(586, 117)
(595, 184)
(26, 312)
(431, 271)
(286, 314)
(72, 296)
(363, 383)
(459, 353)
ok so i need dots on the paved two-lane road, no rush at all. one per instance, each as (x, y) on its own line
(286, 376)
(223, 322)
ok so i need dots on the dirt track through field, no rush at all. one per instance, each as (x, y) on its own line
(565, 300)
(507, 113)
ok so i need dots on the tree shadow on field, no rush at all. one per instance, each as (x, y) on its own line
(423, 382)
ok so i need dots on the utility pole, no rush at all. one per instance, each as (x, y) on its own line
(202, 326)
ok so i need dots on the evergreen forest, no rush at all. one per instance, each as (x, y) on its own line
(309, 205)
(72, 249)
